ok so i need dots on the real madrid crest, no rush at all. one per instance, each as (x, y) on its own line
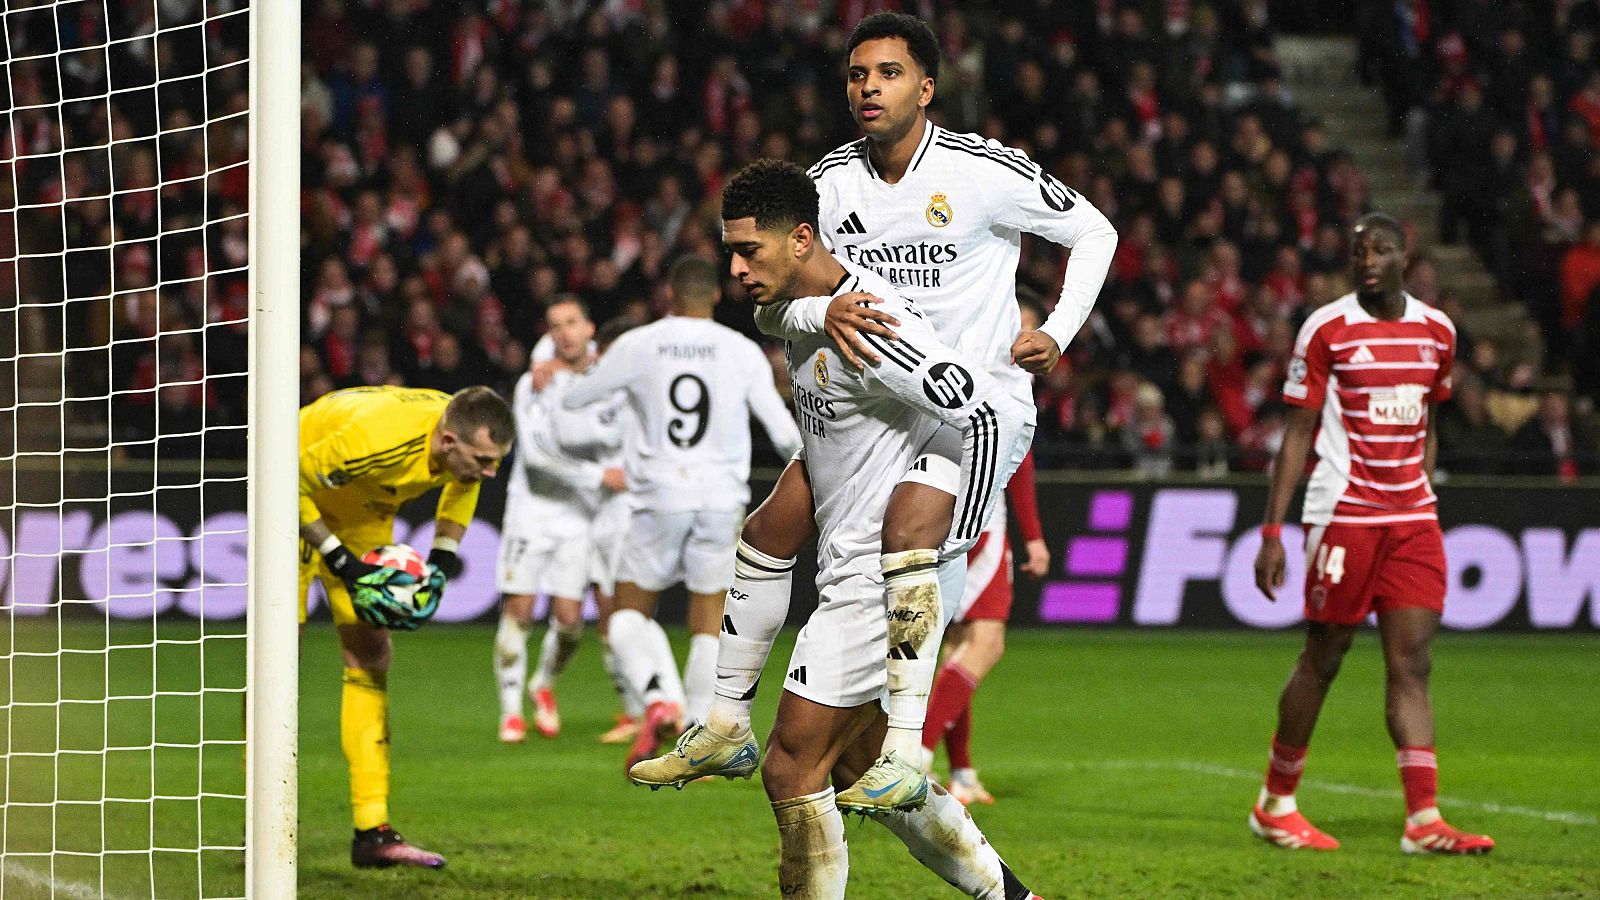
(939, 212)
(820, 369)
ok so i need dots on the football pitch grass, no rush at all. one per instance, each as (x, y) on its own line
(1124, 763)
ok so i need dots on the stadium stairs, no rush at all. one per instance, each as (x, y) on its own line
(1321, 72)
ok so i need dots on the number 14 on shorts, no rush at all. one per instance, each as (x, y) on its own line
(1330, 563)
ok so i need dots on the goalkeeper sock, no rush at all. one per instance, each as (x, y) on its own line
(364, 732)
(916, 626)
(511, 663)
(631, 704)
(555, 651)
(699, 673)
(952, 696)
(813, 860)
(942, 836)
(752, 614)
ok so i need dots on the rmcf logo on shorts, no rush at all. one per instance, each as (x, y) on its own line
(1401, 405)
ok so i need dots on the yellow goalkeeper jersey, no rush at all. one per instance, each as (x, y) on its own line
(364, 452)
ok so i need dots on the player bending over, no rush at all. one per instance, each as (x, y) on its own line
(364, 452)
(555, 500)
(862, 431)
(940, 215)
(1372, 366)
(692, 386)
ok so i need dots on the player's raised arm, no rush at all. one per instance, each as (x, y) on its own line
(536, 442)
(843, 318)
(1048, 208)
(613, 371)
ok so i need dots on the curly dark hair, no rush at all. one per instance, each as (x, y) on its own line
(775, 192)
(1386, 222)
(915, 32)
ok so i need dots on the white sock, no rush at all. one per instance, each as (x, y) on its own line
(943, 837)
(554, 653)
(1275, 804)
(916, 626)
(511, 663)
(699, 675)
(813, 861)
(632, 706)
(638, 643)
(752, 615)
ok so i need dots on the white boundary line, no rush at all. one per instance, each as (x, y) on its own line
(71, 890)
(1204, 768)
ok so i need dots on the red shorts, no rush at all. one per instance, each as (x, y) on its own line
(1353, 570)
(988, 592)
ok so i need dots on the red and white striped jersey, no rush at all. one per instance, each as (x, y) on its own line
(1374, 381)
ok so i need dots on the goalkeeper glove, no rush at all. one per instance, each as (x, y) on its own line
(369, 585)
(443, 564)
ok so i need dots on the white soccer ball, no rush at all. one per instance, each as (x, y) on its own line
(406, 559)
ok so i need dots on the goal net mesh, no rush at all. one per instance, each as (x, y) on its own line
(123, 540)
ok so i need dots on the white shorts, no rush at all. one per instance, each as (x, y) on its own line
(694, 547)
(608, 534)
(535, 563)
(939, 467)
(839, 655)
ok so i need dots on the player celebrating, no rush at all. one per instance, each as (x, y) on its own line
(553, 501)
(692, 385)
(1373, 366)
(364, 452)
(977, 635)
(940, 215)
(862, 432)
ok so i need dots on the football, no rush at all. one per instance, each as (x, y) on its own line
(406, 559)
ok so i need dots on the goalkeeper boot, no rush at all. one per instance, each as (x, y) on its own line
(1441, 837)
(1291, 831)
(512, 729)
(965, 787)
(660, 725)
(701, 753)
(626, 729)
(382, 847)
(545, 716)
(891, 785)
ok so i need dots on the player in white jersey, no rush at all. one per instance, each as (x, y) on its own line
(863, 430)
(942, 215)
(555, 495)
(692, 385)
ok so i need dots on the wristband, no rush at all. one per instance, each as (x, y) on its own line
(447, 544)
(329, 545)
(1272, 532)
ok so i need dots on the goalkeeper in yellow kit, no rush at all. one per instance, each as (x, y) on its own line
(364, 452)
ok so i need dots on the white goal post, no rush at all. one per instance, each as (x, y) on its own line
(273, 696)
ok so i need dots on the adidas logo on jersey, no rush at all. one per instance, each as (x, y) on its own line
(1363, 354)
(799, 674)
(851, 225)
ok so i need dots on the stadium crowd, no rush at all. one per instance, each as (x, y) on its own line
(466, 162)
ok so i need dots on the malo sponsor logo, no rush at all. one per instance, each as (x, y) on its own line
(1401, 406)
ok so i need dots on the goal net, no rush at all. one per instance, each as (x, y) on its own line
(128, 526)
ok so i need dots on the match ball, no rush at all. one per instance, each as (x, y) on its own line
(405, 559)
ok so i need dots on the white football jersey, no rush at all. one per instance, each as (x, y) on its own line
(864, 429)
(692, 385)
(948, 235)
(561, 455)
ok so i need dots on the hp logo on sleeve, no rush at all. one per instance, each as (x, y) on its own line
(948, 385)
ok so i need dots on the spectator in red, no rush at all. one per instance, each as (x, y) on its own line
(1580, 275)
(1196, 320)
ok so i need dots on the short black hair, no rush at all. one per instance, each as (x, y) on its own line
(558, 299)
(775, 192)
(693, 277)
(614, 328)
(1386, 222)
(918, 36)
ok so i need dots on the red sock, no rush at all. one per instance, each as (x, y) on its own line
(1284, 767)
(958, 740)
(1419, 775)
(952, 694)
